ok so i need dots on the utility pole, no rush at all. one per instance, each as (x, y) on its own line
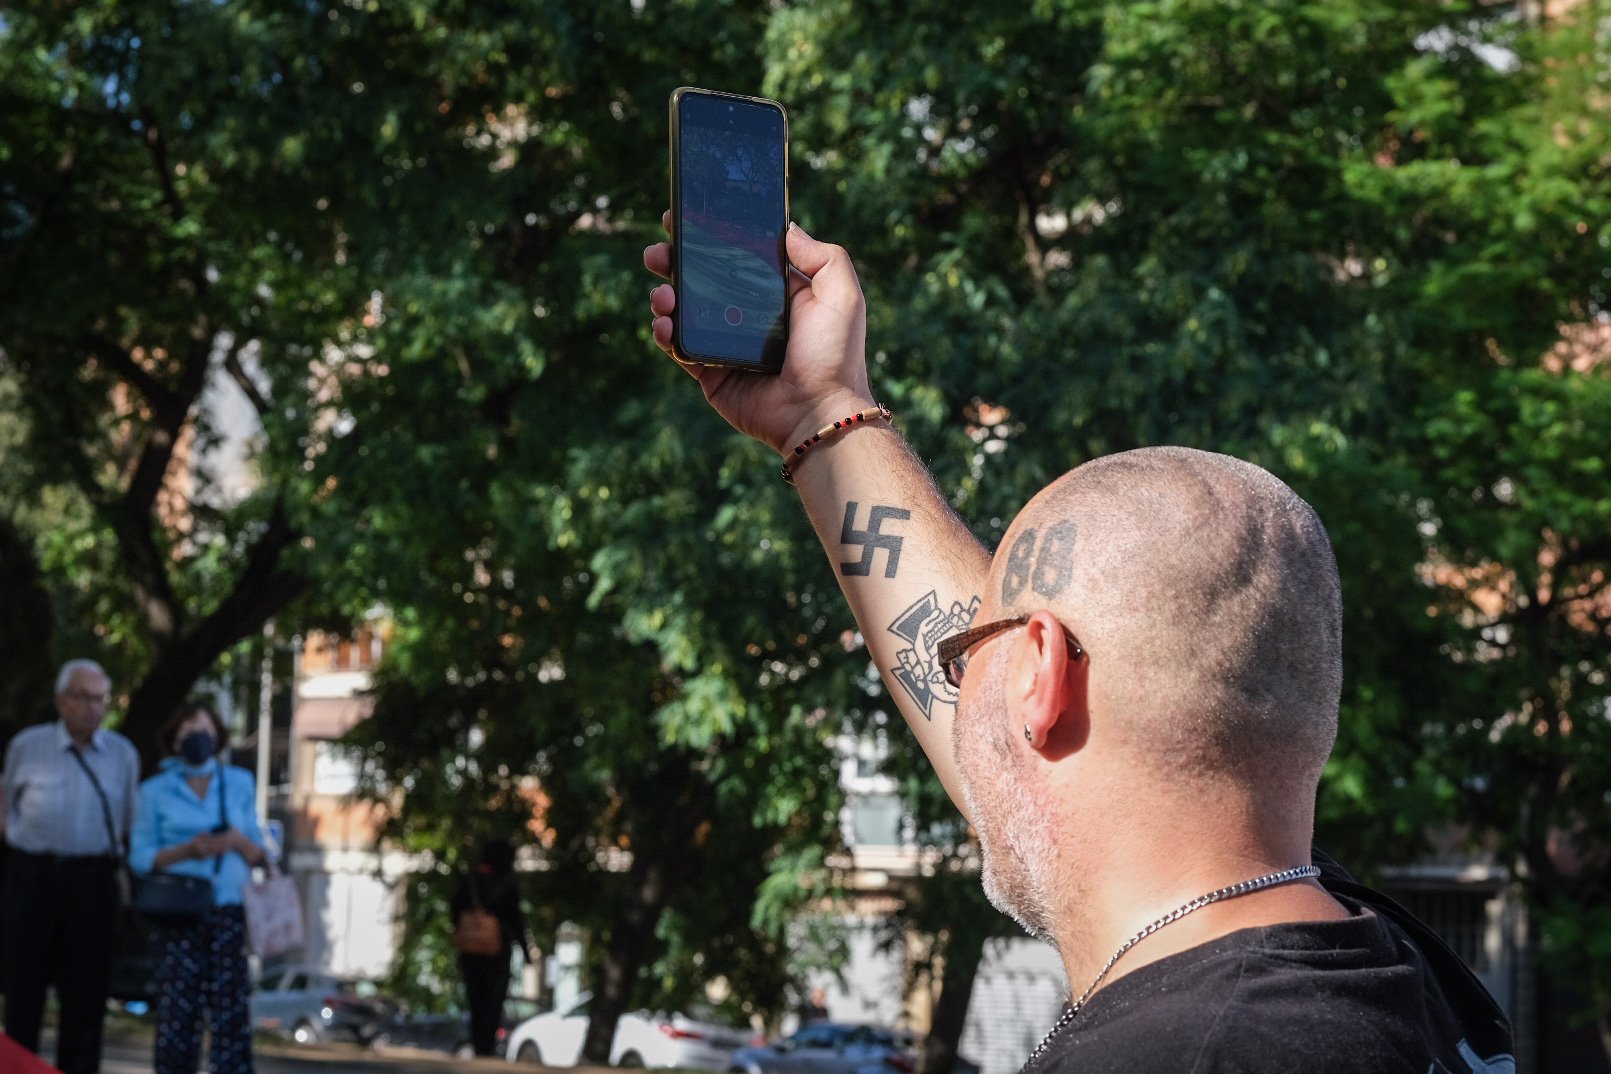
(265, 722)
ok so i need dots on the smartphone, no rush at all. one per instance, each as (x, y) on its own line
(729, 212)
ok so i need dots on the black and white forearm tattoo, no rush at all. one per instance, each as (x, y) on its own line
(917, 664)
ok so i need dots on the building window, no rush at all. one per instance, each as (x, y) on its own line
(1461, 918)
(875, 820)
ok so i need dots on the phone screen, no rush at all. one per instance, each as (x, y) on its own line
(731, 211)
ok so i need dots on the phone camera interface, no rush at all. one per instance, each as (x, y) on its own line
(733, 215)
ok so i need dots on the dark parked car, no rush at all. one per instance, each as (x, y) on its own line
(449, 1032)
(438, 1032)
(827, 1048)
(309, 1005)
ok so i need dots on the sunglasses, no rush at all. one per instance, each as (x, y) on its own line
(955, 650)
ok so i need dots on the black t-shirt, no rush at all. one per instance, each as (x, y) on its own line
(1375, 993)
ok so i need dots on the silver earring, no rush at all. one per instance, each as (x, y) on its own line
(1027, 736)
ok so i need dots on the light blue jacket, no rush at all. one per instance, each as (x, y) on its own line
(171, 813)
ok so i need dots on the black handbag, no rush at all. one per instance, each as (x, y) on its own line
(173, 898)
(177, 898)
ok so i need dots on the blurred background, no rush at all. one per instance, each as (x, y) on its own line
(326, 392)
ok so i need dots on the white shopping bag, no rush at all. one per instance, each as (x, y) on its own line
(273, 914)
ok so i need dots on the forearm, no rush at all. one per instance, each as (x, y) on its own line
(911, 570)
(171, 855)
(909, 567)
(254, 854)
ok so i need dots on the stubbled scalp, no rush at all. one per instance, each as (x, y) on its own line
(1206, 593)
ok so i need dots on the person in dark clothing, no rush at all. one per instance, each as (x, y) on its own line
(1132, 701)
(489, 889)
(67, 804)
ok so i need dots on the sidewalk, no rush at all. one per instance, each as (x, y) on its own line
(317, 1056)
(414, 1060)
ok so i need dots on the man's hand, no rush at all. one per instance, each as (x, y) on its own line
(824, 373)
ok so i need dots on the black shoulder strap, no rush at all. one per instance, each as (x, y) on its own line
(223, 800)
(106, 806)
(223, 809)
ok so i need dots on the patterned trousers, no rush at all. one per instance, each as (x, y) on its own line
(201, 968)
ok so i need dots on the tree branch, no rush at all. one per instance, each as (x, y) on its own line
(164, 402)
(263, 587)
(232, 363)
(147, 569)
(1034, 257)
(157, 148)
(131, 515)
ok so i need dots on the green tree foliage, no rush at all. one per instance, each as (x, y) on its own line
(1333, 237)
(26, 656)
(409, 236)
(592, 597)
(169, 223)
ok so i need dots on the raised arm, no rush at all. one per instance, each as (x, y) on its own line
(908, 566)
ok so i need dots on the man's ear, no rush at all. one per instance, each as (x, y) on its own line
(1046, 688)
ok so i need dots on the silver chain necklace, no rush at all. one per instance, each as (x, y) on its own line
(1269, 880)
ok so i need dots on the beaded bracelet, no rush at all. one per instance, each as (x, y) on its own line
(877, 410)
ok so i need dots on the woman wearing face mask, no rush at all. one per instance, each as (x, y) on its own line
(199, 816)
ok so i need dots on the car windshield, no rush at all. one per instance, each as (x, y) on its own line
(362, 989)
(814, 1037)
(705, 1012)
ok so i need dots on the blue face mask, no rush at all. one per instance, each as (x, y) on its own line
(197, 748)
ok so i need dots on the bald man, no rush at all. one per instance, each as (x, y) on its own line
(1132, 702)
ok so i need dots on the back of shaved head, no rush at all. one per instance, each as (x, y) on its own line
(1206, 592)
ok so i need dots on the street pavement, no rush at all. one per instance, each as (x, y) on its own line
(132, 1055)
(128, 1051)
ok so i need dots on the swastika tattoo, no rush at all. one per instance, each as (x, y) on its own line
(1047, 571)
(872, 539)
(917, 666)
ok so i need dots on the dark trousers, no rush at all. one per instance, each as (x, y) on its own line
(486, 986)
(201, 972)
(60, 929)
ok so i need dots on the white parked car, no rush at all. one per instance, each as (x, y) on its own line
(642, 1039)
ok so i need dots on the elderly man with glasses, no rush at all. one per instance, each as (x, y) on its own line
(69, 795)
(1131, 701)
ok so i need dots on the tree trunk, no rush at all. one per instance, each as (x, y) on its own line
(27, 665)
(660, 859)
(962, 956)
(174, 675)
(262, 589)
(162, 690)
